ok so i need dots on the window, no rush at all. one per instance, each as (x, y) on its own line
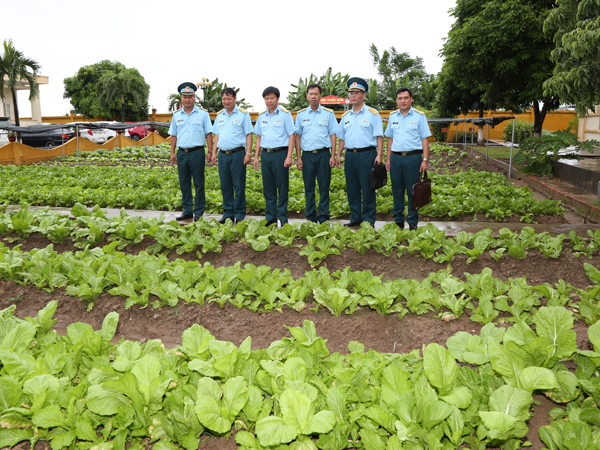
(8, 110)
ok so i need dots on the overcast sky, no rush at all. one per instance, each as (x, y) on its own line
(247, 44)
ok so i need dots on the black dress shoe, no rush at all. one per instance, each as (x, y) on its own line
(184, 217)
(400, 225)
(352, 224)
(222, 220)
(197, 217)
(412, 226)
(271, 222)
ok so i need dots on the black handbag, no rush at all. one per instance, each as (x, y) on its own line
(378, 176)
(421, 191)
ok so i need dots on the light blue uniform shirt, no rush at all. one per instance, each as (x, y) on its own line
(360, 130)
(315, 128)
(274, 129)
(233, 128)
(191, 129)
(407, 131)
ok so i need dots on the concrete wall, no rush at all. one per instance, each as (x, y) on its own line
(589, 126)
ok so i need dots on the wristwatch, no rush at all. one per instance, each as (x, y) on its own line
(425, 159)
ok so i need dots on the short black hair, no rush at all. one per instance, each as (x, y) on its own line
(401, 90)
(229, 91)
(271, 90)
(314, 86)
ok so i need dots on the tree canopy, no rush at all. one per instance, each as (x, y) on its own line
(575, 28)
(16, 67)
(97, 90)
(331, 83)
(497, 56)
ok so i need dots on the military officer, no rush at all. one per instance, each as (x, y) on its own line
(315, 136)
(407, 154)
(361, 135)
(190, 129)
(274, 131)
(233, 141)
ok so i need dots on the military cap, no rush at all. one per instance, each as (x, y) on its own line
(187, 88)
(357, 83)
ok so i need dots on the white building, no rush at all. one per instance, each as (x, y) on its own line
(8, 108)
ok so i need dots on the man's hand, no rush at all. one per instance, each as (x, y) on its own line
(338, 162)
(388, 163)
(378, 160)
(423, 166)
(247, 159)
(332, 161)
(299, 164)
(209, 157)
(288, 162)
(214, 157)
(173, 158)
(255, 164)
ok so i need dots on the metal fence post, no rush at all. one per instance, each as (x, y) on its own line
(512, 143)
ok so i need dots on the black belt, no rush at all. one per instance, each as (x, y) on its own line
(191, 149)
(414, 152)
(235, 150)
(319, 150)
(273, 150)
(359, 150)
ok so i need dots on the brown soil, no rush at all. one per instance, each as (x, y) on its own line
(377, 332)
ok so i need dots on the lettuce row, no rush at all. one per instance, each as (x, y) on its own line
(82, 391)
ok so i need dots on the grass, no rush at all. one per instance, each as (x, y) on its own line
(497, 152)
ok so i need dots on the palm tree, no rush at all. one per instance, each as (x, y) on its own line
(14, 68)
(126, 82)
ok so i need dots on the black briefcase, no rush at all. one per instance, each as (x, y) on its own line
(378, 176)
(421, 191)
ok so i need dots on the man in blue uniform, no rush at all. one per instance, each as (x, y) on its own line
(361, 134)
(233, 135)
(407, 154)
(190, 128)
(274, 131)
(315, 136)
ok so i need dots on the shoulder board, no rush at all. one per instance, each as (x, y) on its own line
(243, 110)
(416, 110)
(262, 112)
(283, 109)
(204, 109)
(303, 109)
(221, 111)
(397, 110)
(345, 113)
(373, 110)
(328, 109)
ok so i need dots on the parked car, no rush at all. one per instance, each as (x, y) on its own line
(96, 135)
(140, 132)
(48, 138)
(111, 133)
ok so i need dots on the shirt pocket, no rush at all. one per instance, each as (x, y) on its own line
(236, 123)
(197, 127)
(365, 124)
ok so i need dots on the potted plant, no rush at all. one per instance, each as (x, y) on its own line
(12, 136)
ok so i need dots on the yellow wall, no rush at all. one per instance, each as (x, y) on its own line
(16, 153)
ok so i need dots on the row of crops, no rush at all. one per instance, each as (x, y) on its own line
(81, 391)
(152, 278)
(156, 187)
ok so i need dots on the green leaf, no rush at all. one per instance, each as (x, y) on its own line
(494, 420)
(9, 437)
(49, 417)
(395, 382)
(504, 362)
(460, 397)
(509, 400)
(440, 367)
(533, 378)
(436, 412)
(556, 325)
(19, 338)
(274, 430)
(371, 440)
(105, 402)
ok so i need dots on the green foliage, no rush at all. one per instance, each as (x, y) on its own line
(211, 98)
(14, 68)
(331, 84)
(478, 392)
(523, 130)
(85, 91)
(574, 26)
(492, 66)
(537, 154)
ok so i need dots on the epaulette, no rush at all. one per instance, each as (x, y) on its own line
(303, 109)
(345, 113)
(420, 112)
(373, 110)
(204, 109)
(243, 110)
(328, 109)
(397, 110)
(262, 112)
(283, 109)
(221, 111)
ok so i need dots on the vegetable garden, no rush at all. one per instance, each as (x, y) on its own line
(308, 336)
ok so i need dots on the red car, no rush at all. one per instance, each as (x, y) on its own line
(140, 132)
